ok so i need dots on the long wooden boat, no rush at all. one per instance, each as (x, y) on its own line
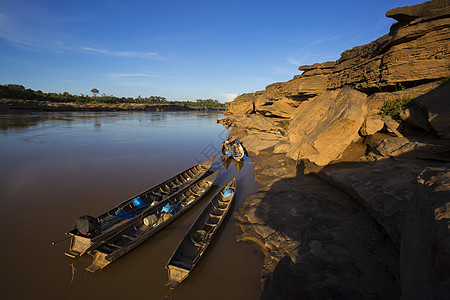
(237, 151)
(226, 151)
(93, 231)
(200, 235)
(150, 222)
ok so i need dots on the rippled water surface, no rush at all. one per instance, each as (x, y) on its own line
(56, 167)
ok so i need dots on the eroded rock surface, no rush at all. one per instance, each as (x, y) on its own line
(384, 188)
(383, 193)
(425, 255)
(318, 243)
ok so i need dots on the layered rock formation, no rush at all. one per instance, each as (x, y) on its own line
(416, 51)
(329, 122)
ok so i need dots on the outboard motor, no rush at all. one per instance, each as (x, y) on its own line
(86, 225)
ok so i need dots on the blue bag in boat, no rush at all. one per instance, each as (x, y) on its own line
(228, 152)
(228, 192)
(168, 208)
(138, 202)
(123, 213)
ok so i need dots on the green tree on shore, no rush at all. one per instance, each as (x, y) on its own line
(95, 92)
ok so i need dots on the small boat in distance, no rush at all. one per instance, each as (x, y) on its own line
(226, 151)
(232, 148)
(200, 235)
(153, 220)
(88, 232)
(237, 151)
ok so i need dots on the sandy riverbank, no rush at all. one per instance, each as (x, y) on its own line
(8, 104)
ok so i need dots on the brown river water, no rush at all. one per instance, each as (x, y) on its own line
(56, 167)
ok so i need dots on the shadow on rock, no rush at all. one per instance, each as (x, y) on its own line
(318, 242)
(339, 235)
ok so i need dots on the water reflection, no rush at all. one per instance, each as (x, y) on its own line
(59, 166)
(23, 120)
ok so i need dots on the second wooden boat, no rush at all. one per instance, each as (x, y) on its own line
(200, 235)
(149, 223)
(88, 232)
(237, 151)
(226, 152)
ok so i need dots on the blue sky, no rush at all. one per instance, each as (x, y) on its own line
(181, 50)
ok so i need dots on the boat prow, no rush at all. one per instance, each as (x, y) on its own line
(98, 263)
(176, 275)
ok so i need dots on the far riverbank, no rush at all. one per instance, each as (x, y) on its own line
(7, 104)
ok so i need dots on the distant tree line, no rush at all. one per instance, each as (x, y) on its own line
(19, 92)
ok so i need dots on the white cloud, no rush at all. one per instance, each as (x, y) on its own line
(317, 50)
(292, 61)
(229, 97)
(9, 30)
(131, 54)
(27, 25)
(121, 75)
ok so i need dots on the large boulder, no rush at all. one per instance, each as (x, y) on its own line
(437, 106)
(425, 247)
(324, 127)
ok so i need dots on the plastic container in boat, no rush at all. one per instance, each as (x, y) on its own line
(150, 220)
(138, 202)
(123, 213)
(228, 192)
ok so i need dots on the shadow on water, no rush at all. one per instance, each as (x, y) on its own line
(336, 249)
(84, 169)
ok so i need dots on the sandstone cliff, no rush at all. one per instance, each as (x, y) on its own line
(415, 52)
(331, 115)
